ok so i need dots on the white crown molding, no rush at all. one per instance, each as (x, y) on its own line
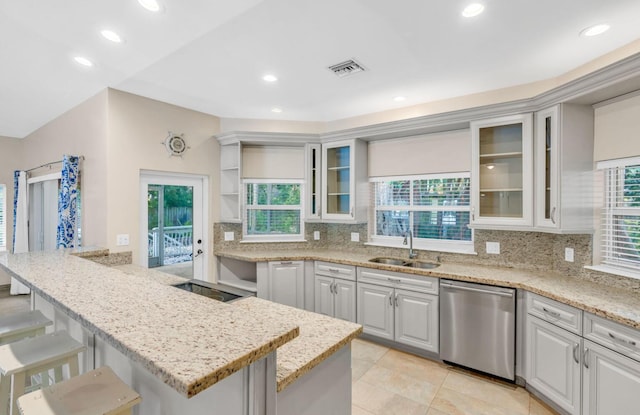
(267, 138)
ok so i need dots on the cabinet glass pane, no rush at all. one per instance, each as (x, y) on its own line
(501, 171)
(338, 180)
(547, 168)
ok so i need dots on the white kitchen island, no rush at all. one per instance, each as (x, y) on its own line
(183, 353)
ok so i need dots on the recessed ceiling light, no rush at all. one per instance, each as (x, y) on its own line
(111, 35)
(151, 5)
(473, 9)
(399, 98)
(594, 30)
(276, 110)
(270, 78)
(83, 61)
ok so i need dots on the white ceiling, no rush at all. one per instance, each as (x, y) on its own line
(210, 55)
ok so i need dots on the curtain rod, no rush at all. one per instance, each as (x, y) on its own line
(49, 164)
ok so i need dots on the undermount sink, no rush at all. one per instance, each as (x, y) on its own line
(388, 261)
(422, 265)
(404, 262)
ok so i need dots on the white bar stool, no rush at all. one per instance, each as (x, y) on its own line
(18, 326)
(28, 357)
(98, 392)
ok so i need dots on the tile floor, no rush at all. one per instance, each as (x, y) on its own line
(389, 382)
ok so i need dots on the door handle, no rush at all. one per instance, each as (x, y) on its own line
(575, 353)
(198, 253)
(553, 216)
(390, 300)
(396, 300)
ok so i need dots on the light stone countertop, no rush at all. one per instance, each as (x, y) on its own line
(158, 326)
(617, 304)
(320, 335)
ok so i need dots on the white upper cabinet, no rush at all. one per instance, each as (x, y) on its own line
(344, 181)
(563, 169)
(502, 172)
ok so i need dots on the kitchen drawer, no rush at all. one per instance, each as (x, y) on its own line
(329, 269)
(624, 340)
(559, 314)
(428, 285)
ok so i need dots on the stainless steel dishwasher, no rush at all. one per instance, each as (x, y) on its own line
(477, 327)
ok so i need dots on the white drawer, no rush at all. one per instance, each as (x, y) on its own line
(559, 314)
(329, 269)
(428, 285)
(615, 336)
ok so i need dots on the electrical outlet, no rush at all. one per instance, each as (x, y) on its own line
(316, 235)
(355, 237)
(122, 239)
(568, 254)
(229, 236)
(493, 247)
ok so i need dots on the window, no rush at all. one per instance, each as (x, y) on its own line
(273, 210)
(435, 207)
(620, 224)
(3, 217)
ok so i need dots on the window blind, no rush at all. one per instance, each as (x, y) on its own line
(621, 214)
(3, 217)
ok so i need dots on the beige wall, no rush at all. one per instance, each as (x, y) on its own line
(80, 131)
(137, 129)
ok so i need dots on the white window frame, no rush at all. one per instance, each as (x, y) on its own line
(272, 237)
(3, 218)
(440, 245)
(604, 244)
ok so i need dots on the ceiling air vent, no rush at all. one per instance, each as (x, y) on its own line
(346, 68)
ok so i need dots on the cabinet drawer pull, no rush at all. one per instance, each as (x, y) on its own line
(334, 270)
(286, 262)
(585, 356)
(575, 353)
(621, 340)
(551, 313)
(396, 280)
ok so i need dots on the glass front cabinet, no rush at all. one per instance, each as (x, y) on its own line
(344, 181)
(563, 169)
(502, 171)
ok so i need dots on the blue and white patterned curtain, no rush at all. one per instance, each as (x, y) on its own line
(68, 204)
(16, 177)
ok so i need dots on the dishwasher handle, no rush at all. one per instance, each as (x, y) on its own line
(477, 290)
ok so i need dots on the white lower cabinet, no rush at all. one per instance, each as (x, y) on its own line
(611, 382)
(406, 316)
(553, 363)
(335, 290)
(283, 283)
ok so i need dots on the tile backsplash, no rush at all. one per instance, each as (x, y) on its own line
(524, 250)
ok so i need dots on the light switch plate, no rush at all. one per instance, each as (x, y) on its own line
(568, 254)
(355, 237)
(229, 236)
(122, 239)
(493, 247)
(316, 235)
